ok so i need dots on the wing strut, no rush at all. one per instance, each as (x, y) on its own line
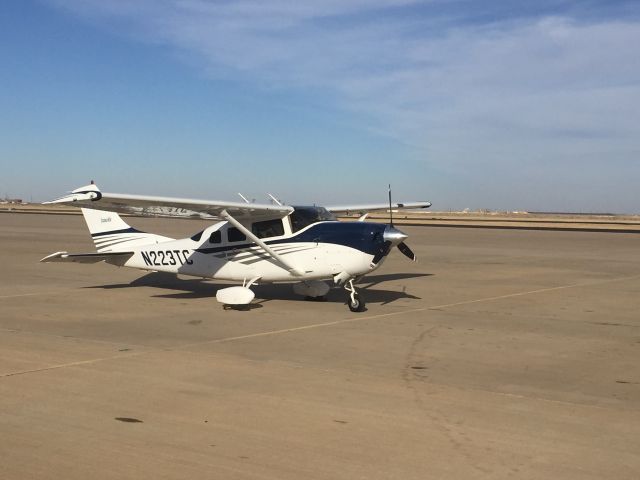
(277, 257)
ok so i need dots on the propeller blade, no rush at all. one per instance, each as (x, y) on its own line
(383, 252)
(390, 211)
(406, 251)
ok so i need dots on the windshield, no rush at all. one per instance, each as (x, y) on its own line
(304, 216)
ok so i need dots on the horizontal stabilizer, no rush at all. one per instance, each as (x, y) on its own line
(115, 258)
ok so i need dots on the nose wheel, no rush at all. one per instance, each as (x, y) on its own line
(355, 302)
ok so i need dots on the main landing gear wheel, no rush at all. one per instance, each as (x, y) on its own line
(355, 302)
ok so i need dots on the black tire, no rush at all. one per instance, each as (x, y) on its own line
(358, 305)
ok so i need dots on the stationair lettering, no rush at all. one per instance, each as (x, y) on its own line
(157, 258)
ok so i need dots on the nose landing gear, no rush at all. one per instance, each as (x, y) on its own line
(355, 302)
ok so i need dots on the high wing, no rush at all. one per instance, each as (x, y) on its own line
(348, 209)
(91, 197)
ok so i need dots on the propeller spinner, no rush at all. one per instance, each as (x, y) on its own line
(396, 237)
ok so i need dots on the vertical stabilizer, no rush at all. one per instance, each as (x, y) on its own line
(111, 233)
(101, 221)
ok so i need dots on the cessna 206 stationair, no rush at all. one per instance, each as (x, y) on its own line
(249, 243)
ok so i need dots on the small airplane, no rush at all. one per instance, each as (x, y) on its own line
(249, 243)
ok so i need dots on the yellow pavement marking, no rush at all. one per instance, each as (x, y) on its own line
(72, 364)
(28, 294)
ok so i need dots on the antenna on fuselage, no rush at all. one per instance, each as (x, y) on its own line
(243, 198)
(278, 202)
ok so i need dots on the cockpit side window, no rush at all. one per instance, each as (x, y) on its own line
(268, 228)
(197, 236)
(304, 216)
(235, 235)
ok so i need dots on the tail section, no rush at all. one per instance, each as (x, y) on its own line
(111, 233)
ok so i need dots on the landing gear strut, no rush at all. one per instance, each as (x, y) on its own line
(355, 302)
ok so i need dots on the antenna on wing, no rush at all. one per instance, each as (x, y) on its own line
(243, 198)
(278, 202)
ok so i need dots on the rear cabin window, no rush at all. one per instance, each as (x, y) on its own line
(268, 228)
(235, 235)
(216, 237)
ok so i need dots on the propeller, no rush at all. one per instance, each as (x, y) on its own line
(396, 237)
(407, 252)
(390, 210)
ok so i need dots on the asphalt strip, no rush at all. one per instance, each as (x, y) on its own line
(315, 325)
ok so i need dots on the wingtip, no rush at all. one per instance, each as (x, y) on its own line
(89, 192)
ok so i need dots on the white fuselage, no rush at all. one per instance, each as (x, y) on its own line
(242, 260)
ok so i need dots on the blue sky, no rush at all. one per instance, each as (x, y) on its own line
(505, 105)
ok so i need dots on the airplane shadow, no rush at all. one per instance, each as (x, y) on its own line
(268, 292)
(201, 288)
(371, 280)
(190, 288)
(385, 297)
